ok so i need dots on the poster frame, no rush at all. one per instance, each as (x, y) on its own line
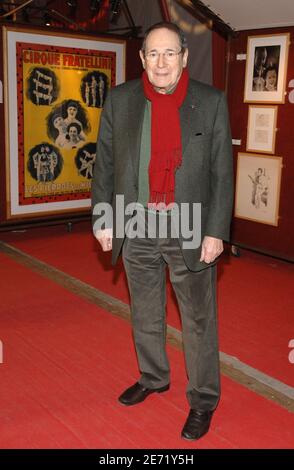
(75, 202)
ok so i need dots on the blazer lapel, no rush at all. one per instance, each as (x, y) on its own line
(136, 109)
(190, 118)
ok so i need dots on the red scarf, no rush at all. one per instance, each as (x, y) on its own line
(166, 142)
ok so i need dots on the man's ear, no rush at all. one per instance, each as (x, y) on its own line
(185, 58)
(142, 58)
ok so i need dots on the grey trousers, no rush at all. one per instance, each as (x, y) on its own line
(145, 261)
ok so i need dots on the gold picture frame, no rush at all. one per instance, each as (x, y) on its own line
(258, 188)
(261, 129)
(266, 68)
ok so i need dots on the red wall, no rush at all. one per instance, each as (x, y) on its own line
(266, 238)
(219, 48)
(133, 62)
(2, 142)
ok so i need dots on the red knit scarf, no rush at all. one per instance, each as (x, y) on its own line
(166, 142)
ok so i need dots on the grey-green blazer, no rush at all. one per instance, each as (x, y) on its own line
(205, 175)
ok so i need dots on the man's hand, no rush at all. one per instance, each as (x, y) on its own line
(104, 237)
(211, 249)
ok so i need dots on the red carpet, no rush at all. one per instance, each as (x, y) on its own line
(65, 363)
(256, 302)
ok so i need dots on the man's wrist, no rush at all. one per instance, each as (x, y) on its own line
(107, 232)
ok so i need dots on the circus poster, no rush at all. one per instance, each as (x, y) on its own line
(56, 88)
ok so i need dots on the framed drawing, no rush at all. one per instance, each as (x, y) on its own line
(55, 87)
(261, 129)
(258, 188)
(266, 68)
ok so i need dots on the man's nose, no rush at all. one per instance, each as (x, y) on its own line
(161, 60)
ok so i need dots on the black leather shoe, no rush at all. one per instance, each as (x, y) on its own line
(137, 393)
(197, 424)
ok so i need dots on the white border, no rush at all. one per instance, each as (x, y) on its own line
(251, 144)
(62, 41)
(277, 96)
(243, 206)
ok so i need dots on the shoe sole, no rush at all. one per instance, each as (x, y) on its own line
(163, 389)
(159, 390)
(195, 438)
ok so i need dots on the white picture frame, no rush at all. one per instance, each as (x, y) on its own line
(30, 192)
(266, 68)
(258, 188)
(261, 129)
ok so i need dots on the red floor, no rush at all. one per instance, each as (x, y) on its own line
(256, 303)
(65, 363)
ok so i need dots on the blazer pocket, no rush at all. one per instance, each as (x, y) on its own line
(201, 144)
(197, 137)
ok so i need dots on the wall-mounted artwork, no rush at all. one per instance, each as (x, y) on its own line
(266, 68)
(55, 86)
(258, 188)
(261, 129)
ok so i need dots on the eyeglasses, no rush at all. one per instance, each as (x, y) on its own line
(169, 56)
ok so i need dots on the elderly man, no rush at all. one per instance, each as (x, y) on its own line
(164, 142)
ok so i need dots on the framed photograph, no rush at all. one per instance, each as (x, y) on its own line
(55, 88)
(258, 188)
(266, 68)
(261, 129)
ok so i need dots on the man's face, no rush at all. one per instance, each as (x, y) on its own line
(162, 73)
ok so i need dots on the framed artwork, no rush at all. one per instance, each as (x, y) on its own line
(266, 68)
(261, 129)
(55, 87)
(258, 188)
